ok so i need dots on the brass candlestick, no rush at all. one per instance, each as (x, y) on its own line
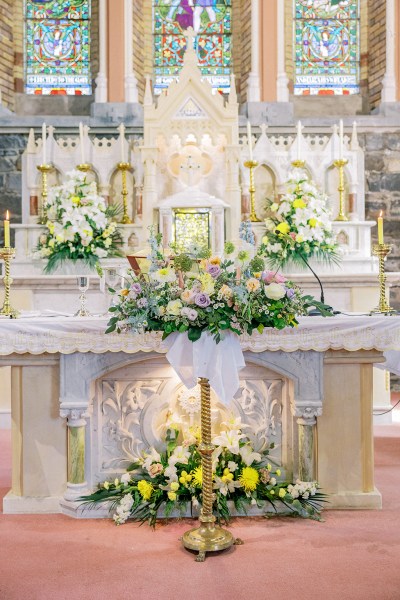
(7, 254)
(124, 168)
(209, 537)
(84, 167)
(251, 164)
(381, 251)
(340, 164)
(45, 170)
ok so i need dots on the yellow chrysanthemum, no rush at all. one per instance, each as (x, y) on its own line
(197, 475)
(283, 228)
(299, 203)
(145, 489)
(249, 478)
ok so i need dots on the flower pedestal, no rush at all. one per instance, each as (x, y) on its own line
(209, 537)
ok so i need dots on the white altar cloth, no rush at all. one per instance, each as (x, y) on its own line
(66, 335)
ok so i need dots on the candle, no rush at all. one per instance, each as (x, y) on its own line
(380, 229)
(44, 143)
(82, 144)
(249, 140)
(122, 140)
(7, 231)
(340, 139)
(299, 128)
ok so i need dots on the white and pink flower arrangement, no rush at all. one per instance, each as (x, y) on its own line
(206, 293)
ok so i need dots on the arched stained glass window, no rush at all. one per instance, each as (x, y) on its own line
(326, 47)
(211, 21)
(57, 55)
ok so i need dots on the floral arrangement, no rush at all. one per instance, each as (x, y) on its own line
(299, 227)
(171, 481)
(80, 225)
(192, 294)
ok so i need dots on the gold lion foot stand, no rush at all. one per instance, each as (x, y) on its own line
(209, 537)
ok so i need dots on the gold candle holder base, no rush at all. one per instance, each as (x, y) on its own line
(84, 167)
(124, 168)
(252, 164)
(209, 537)
(298, 164)
(381, 251)
(340, 164)
(7, 254)
(44, 170)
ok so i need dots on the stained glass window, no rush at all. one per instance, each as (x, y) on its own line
(211, 21)
(57, 47)
(326, 47)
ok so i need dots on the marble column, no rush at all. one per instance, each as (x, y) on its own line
(131, 91)
(389, 84)
(282, 90)
(306, 421)
(101, 93)
(253, 82)
(76, 424)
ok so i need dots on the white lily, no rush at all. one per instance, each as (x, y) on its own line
(179, 455)
(230, 440)
(248, 456)
(153, 456)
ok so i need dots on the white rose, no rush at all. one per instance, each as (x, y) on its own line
(274, 291)
(174, 307)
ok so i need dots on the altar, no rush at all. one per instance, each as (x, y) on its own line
(85, 404)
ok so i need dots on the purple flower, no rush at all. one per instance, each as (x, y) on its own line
(289, 293)
(136, 288)
(213, 270)
(202, 300)
(142, 302)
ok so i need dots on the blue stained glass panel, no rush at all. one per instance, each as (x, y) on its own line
(57, 56)
(211, 21)
(326, 47)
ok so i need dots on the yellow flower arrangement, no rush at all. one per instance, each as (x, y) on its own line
(145, 489)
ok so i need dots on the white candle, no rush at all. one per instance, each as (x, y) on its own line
(81, 143)
(249, 141)
(44, 143)
(299, 128)
(340, 139)
(122, 140)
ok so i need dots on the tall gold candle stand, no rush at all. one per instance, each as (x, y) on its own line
(84, 167)
(252, 164)
(7, 254)
(381, 251)
(340, 164)
(124, 168)
(209, 537)
(45, 170)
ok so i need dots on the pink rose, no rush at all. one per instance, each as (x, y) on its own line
(155, 469)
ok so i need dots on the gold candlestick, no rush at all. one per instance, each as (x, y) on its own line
(124, 168)
(7, 254)
(84, 167)
(251, 164)
(340, 164)
(209, 537)
(381, 251)
(45, 170)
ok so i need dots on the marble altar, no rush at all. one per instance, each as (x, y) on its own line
(85, 403)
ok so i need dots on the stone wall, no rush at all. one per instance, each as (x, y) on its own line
(241, 45)
(11, 149)
(377, 50)
(7, 53)
(138, 46)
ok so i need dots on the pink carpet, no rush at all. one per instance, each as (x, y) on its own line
(353, 555)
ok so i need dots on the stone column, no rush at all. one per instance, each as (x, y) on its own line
(76, 424)
(253, 82)
(389, 84)
(282, 91)
(101, 93)
(131, 91)
(306, 421)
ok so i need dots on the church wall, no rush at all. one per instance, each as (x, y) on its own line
(7, 53)
(377, 51)
(241, 43)
(138, 46)
(11, 148)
